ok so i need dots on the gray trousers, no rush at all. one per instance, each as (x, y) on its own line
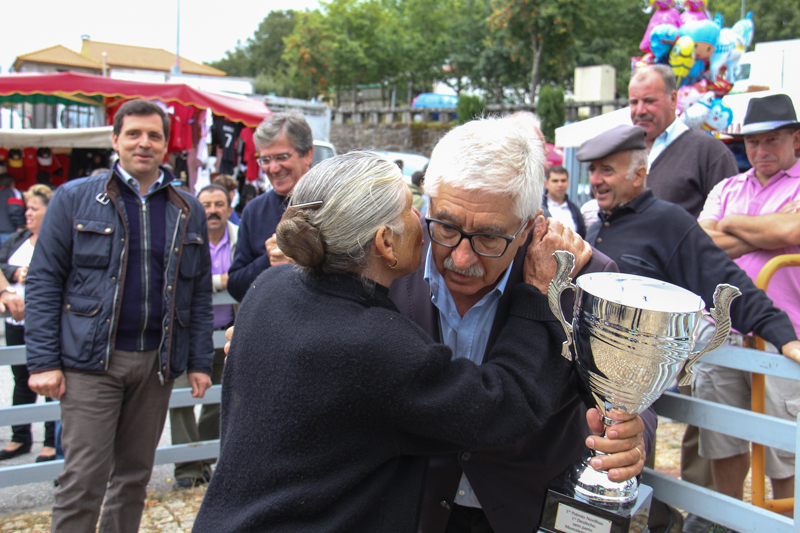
(185, 428)
(111, 423)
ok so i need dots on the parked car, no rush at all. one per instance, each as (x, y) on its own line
(322, 151)
(411, 162)
(435, 100)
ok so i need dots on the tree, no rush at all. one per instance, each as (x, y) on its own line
(261, 57)
(774, 20)
(613, 33)
(307, 53)
(235, 63)
(551, 110)
(364, 41)
(267, 45)
(538, 30)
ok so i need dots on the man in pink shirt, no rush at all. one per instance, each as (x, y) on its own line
(754, 217)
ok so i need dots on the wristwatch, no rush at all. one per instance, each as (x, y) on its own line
(8, 289)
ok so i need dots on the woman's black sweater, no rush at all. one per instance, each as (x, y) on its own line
(332, 401)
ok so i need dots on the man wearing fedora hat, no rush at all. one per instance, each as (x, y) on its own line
(753, 217)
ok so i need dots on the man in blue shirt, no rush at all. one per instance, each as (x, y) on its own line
(285, 151)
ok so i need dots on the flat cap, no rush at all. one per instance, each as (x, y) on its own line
(612, 141)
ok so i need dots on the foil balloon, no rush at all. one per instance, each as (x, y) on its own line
(694, 10)
(681, 58)
(720, 86)
(662, 39)
(719, 117)
(638, 62)
(744, 28)
(705, 34)
(730, 49)
(665, 13)
(689, 94)
(695, 116)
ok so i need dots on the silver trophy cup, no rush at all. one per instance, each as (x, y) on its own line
(630, 336)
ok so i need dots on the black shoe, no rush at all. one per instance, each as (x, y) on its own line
(696, 524)
(189, 482)
(45, 458)
(22, 450)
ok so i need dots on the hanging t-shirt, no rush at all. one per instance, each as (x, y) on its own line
(249, 155)
(225, 134)
(30, 164)
(180, 129)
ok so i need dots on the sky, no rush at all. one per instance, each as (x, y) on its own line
(207, 27)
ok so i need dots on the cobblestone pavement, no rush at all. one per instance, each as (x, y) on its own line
(174, 511)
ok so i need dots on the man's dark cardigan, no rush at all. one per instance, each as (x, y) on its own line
(332, 402)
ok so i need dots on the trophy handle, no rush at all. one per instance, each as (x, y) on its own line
(723, 297)
(565, 262)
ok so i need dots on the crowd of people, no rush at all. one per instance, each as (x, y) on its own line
(390, 370)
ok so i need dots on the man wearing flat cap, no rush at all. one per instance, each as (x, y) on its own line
(658, 239)
(754, 217)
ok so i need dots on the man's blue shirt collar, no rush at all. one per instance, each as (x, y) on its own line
(134, 184)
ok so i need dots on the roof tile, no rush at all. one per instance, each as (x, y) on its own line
(121, 55)
(59, 55)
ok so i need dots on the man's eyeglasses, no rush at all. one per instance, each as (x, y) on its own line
(280, 158)
(485, 244)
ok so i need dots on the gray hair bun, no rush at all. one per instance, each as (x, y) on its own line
(298, 239)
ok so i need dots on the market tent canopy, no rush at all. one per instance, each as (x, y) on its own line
(83, 89)
(68, 138)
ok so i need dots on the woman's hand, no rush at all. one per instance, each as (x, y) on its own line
(229, 336)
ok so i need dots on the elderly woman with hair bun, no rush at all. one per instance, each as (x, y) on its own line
(332, 401)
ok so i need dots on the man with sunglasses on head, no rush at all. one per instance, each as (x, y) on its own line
(285, 149)
(485, 234)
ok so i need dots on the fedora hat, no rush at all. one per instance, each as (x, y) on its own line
(770, 113)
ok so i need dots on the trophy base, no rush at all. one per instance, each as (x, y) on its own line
(566, 512)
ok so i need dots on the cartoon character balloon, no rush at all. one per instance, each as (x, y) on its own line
(662, 39)
(689, 94)
(681, 58)
(694, 10)
(744, 28)
(719, 117)
(665, 13)
(696, 114)
(708, 114)
(705, 35)
(731, 47)
(729, 50)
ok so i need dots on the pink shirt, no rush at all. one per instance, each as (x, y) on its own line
(744, 195)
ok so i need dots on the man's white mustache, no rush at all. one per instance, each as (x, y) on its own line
(475, 271)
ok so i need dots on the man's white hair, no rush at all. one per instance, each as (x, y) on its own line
(492, 155)
(638, 159)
